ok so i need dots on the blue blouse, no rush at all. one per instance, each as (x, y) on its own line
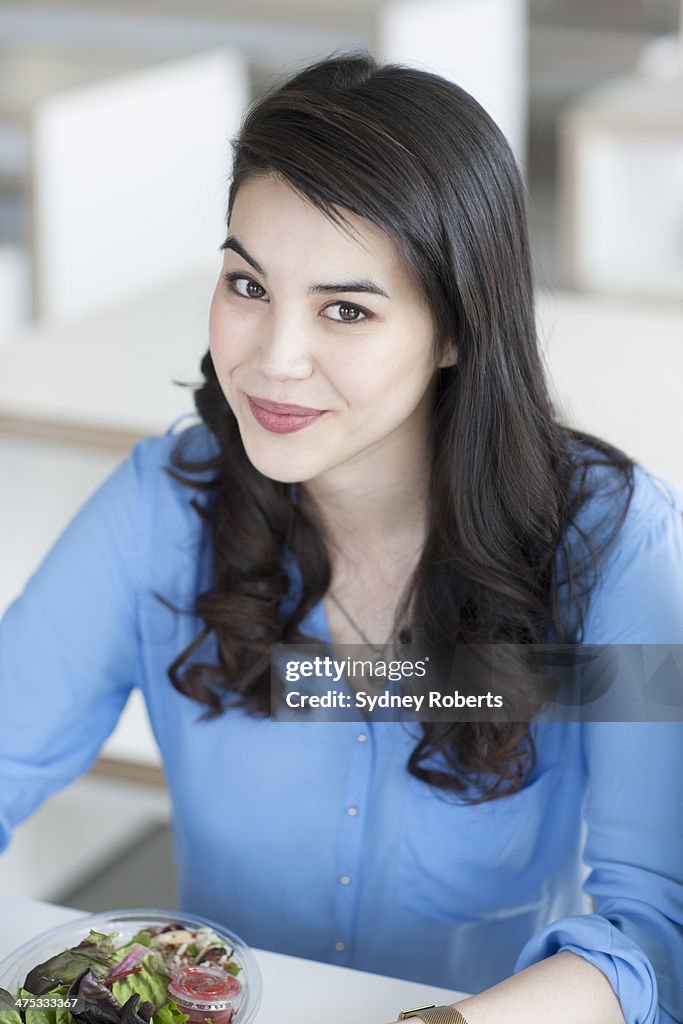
(312, 838)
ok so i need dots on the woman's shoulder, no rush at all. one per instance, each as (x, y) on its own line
(639, 592)
(656, 511)
(651, 536)
(630, 496)
(165, 497)
(159, 464)
(187, 436)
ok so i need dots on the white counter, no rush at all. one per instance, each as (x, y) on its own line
(114, 371)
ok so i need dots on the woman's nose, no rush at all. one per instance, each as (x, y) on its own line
(284, 350)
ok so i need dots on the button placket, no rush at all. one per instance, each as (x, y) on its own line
(350, 844)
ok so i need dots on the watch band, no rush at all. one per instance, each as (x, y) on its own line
(433, 1014)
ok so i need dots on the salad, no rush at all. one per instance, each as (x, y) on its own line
(102, 981)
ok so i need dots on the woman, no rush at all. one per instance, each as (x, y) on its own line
(416, 486)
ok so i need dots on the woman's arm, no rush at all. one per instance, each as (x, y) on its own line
(624, 962)
(69, 651)
(563, 989)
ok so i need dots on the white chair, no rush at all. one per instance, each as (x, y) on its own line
(130, 181)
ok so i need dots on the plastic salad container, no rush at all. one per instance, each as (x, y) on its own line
(212, 976)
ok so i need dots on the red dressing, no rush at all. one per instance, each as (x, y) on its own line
(205, 993)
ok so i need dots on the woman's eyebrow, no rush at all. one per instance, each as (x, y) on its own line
(363, 285)
(348, 286)
(231, 242)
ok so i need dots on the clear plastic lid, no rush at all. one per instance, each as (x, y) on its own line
(15, 967)
(205, 988)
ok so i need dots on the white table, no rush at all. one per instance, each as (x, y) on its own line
(295, 991)
(109, 378)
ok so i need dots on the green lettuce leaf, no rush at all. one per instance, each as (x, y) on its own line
(170, 1014)
(45, 1014)
(9, 1014)
(40, 1015)
(151, 983)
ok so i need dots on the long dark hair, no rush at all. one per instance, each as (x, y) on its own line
(506, 558)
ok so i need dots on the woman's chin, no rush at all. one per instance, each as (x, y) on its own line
(284, 467)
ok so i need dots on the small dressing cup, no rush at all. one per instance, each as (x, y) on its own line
(205, 993)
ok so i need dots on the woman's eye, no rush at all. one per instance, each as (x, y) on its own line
(245, 286)
(347, 314)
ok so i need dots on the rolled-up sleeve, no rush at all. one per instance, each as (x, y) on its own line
(69, 650)
(634, 781)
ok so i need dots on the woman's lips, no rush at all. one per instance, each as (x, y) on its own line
(282, 408)
(282, 419)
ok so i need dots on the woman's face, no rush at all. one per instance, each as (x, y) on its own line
(306, 314)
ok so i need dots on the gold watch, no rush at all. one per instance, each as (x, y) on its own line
(433, 1014)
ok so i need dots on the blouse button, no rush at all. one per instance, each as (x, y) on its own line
(344, 880)
(352, 811)
(340, 946)
(362, 737)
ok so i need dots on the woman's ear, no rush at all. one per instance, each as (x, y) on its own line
(449, 356)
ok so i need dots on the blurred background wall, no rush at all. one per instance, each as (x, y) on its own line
(115, 120)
